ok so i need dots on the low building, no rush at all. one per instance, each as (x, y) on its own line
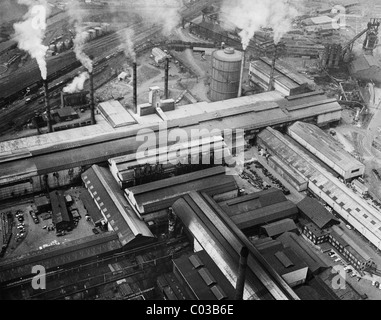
(61, 216)
(314, 211)
(43, 204)
(350, 250)
(65, 114)
(359, 187)
(116, 114)
(313, 232)
(276, 228)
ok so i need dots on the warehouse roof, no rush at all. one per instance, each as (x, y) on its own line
(59, 209)
(324, 144)
(203, 276)
(278, 227)
(118, 212)
(66, 111)
(91, 207)
(315, 289)
(162, 194)
(116, 114)
(301, 248)
(316, 212)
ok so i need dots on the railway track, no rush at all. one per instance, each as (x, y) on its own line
(96, 273)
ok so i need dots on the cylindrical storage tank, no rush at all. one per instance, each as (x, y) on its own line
(52, 47)
(68, 43)
(226, 70)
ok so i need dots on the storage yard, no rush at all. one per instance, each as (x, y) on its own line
(156, 151)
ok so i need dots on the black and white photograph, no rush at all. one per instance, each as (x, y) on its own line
(190, 156)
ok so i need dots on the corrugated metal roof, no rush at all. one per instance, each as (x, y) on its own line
(109, 197)
(325, 144)
(59, 209)
(316, 213)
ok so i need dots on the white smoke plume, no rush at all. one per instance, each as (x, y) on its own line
(128, 44)
(77, 84)
(30, 33)
(250, 15)
(80, 35)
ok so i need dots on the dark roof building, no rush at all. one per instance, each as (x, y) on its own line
(278, 227)
(202, 278)
(159, 195)
(315, 289)
(314, 211)
(42, 203)
(61, 217)
(114, 207)
(315, 264)
(259, 208)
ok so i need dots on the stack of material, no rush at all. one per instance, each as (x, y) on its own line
(159, 195)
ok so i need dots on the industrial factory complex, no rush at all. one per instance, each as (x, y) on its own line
(163, 151)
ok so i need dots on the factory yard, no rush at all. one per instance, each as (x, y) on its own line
(38, 236)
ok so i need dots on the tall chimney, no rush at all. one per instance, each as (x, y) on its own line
(272, 71)
(47, 106)
(92, 101)
(135, 87)
(166, 78)
(240, 285)
(241, 75)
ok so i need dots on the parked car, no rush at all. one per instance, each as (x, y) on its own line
(36, 220)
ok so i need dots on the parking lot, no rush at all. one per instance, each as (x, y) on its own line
(36, 233)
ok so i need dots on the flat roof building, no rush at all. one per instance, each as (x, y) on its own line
(326, 149)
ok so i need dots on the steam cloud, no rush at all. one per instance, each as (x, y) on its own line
(250, 15)
(128, 44)
(80, 36)
(77, 84)
(30, 33)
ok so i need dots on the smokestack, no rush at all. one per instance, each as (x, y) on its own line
(166, 78)
(92, 102)
(240, 285)
(241, 74)
(272, 71)
(47, 106)
(135, 87)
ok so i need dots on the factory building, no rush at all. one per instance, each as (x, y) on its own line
(213, 231)
(202, 278)
(288, 265)
(286, 81)
(326, 149)
(313, 210)
(115, 209)
(65, 114)
(61, 216)
(42, 204)
(303, 250)
(313, 232)
(276, 228)
(266, 139)
(162, 162)
(160, 195)
(57, 159)
(323, 182)
(356, 256)
(251, 211)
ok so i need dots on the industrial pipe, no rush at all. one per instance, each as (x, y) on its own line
(47, 106)
(272, 71)
(92, 102)
(135, 87)
(166, 78)
(240, 285)
(241, 75)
